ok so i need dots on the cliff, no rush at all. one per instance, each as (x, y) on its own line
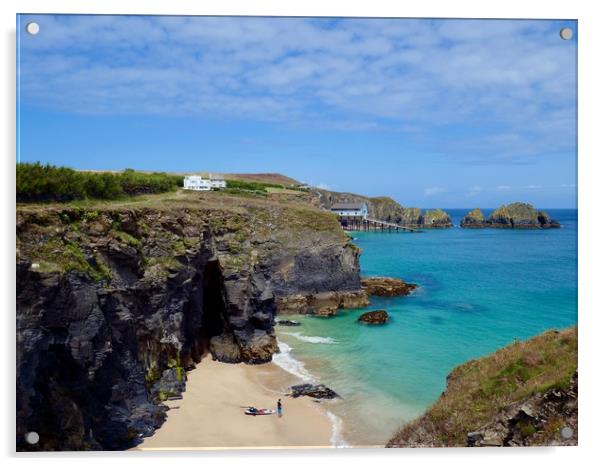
(116, 301)
(385, 208)
(524, 394)
(516, 215)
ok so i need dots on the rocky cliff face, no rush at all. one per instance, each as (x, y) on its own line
(524, 394)
(385, 208)
(115, 304)
(516, 215)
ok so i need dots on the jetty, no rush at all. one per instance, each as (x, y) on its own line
(353, 216)
(372, 224)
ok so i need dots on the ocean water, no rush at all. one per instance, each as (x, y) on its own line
(478, 291)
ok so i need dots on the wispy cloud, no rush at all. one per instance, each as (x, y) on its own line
(511, 82)
(475, 190)
(433, 191)
(503, 187)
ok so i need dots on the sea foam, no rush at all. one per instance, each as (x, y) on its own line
(336, 436)
(285, 360)
(311, 339)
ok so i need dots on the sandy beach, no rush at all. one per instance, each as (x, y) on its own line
(211, 413)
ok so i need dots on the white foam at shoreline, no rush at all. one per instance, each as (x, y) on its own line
(309, 339)
(285, 360)
(336, 437)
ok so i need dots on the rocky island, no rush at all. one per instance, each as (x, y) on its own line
(516, 215)
(522, 395)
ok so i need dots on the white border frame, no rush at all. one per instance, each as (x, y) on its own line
(590, 77)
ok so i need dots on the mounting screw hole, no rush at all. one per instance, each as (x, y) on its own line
(566, 33)
(32, 437)
(32, 28)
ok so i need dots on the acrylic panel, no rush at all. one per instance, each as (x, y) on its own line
(268, 232)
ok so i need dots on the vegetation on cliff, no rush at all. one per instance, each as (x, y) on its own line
(37, 182)
(522, 394)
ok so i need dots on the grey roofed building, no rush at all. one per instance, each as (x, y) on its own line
(348, 206)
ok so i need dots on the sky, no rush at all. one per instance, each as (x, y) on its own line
(434, 113)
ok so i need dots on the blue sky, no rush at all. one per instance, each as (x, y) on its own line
(435, 113)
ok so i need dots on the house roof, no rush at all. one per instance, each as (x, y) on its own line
(348, 206)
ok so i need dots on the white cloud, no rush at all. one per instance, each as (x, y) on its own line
(512, 82)
(474, 191)
(503, 187)
(433, 191)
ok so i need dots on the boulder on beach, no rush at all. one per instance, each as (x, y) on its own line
(374, 317)
(313, 391)
(385, 286)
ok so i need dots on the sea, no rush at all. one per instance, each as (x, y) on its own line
(479, 290)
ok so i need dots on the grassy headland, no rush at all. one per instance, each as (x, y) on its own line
(481, 393)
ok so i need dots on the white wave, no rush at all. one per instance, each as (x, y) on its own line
(336, 436)
(309, 339)
(285, 360)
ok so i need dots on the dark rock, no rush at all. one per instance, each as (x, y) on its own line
(313, 391)
(519, 423)
(117, 309)
(288, 323)
(385, 286)
(374, 317)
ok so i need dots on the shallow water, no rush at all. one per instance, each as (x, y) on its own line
(479, 290)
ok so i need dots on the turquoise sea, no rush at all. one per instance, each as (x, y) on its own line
(478, 291)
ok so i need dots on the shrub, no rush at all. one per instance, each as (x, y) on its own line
(37, 182)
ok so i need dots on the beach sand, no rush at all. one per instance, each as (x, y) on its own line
(211, 413)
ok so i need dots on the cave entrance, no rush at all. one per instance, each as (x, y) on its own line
(214, 308)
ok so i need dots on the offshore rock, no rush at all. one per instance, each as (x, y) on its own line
(385, 286)
(374, 317)
(517, 215)
(474, 219)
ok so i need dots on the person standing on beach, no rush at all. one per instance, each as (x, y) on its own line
(279, 407)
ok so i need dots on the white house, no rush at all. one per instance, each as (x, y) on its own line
(217, 181)
(197, 183)
(350, 209)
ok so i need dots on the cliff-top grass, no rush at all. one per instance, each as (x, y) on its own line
(479, 389)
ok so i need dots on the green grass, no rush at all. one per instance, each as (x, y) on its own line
(479, 389)
(48, 183)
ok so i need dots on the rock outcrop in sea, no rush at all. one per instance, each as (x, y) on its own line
(374, 317)
(524, 394)
(115, 304)
(386, 286)
(516, 215)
